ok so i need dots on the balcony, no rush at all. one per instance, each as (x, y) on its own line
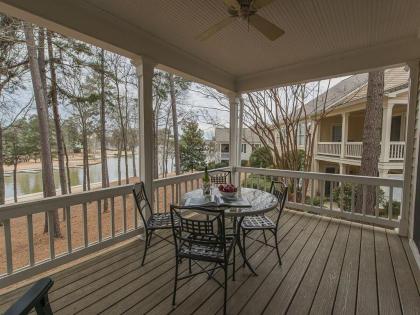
(354, 150)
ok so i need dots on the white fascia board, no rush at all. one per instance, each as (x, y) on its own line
(78, 19)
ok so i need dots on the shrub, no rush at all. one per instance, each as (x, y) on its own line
(346, 195)
(261, 157)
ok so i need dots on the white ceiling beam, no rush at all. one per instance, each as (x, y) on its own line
(344, 63)
(79, 20)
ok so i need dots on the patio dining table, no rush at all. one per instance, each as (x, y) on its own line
(260, 203)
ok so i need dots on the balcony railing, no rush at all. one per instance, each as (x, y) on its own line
(329, 148)
(354, 149)
(314, 192)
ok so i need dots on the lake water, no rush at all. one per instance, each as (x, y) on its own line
(29, 183)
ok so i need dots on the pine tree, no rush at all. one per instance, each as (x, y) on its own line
(192, 147)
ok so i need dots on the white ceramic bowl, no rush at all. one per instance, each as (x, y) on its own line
(229, 195)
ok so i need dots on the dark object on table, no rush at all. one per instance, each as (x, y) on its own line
(218, 177)
(36, 297)
(154, 221)
(202, 240)
(262, 222)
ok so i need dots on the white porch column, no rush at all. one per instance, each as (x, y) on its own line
(234, 149)
(145, 70)
(344, 133)
(386, 132)
(410, 189)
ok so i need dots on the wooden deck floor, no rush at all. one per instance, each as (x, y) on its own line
(329, 266)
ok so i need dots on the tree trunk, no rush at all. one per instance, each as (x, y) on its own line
(175, 124)
(67, 167)
(2, 186)
(15, 163)
(133, 155)
(371, 139)
(104, 162)
(56, 113)
(119, 163)
(41, 106)
(86, 175)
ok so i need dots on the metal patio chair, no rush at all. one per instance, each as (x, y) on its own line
(264, 223)
(202, 238)
(154, 221)
(218, 177)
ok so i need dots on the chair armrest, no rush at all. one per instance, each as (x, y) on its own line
(37, 294)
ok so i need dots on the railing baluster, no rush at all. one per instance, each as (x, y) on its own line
(157, 200)
(390, 202)
(68, 229)
(8, 246)
(377, 191)
(341, 205)
(321, 197)
(124, 212)
(353, 197)
(312, 192)
(50, 220)
(99, 209)
(85, 226)
(30, 240)
(364, 196)
(172, 194)
(165, 205)
(295, 188)
(135, 214)
(331, 195)
(112, 217)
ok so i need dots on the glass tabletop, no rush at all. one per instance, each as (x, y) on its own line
(261, 201)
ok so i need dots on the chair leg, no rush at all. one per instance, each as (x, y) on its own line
(146, 245)
(243, 245)
(265, 238)
(225, 287)
(150, 238)
(176, 280)
(189, 265)
(277, 246)
(234, 265)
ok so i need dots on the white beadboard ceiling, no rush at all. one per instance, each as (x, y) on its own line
(314, 30)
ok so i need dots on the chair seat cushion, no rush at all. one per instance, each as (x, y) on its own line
(257, 222)
(205, 252)
(161, 221)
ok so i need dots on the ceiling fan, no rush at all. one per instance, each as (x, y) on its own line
(246, 10)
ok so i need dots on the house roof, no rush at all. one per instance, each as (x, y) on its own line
(354, 89)
(322, 38)
(222, 135)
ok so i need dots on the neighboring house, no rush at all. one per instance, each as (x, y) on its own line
(250, 141)
(338, 145)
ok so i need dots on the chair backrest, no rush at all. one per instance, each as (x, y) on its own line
(206, 225)
(142, 202)
(279, 189)
(218, 177)
(36, 297)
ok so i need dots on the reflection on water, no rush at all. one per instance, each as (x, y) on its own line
(29, 183)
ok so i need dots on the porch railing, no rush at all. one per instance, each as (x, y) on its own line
(354, 149)
(95, 229)
(344, 196)
(329, 148)
(92, 220)
(396, 150)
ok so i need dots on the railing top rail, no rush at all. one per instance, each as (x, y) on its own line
(356, 179)
(23, 208)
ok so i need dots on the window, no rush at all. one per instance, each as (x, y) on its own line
(243, 147)
(301, 134)
(336, 133)
(224, 147)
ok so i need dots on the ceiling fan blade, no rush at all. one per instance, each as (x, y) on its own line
(234, 4)
(268, 29)
(258, 4)
(215, 28)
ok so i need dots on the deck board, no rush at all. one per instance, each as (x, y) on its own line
(329, 266)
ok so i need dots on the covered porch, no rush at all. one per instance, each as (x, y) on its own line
(337, 257)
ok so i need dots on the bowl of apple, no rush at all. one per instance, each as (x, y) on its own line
(228, 191)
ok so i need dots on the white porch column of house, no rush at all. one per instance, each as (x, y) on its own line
(145, 70)
(233, 134)
(344, 133)
(240, 129)
(386, 131)
(410, 189)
